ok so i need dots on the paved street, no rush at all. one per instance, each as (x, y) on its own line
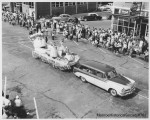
(62, 95)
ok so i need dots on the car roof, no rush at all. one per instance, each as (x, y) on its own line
(92, 13)
(98, 66)
(64, 14)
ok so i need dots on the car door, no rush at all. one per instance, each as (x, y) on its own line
(92, 17)
(66, 17)
(100, 80)
(63, 17)
(96, 78)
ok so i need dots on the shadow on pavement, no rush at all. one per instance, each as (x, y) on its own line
(135, 93)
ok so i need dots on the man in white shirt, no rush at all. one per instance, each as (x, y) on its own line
(6, 102)
(141, 45)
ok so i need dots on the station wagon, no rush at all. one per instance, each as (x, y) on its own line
(105, 77)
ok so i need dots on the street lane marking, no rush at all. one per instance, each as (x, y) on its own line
(102, 50)
(25, 46)
(37, 114)
(136, 60)
(75, 42)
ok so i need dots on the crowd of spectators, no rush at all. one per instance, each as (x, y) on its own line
(118, 42)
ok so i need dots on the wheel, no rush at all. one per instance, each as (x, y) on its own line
(83, 79)
(113, 92)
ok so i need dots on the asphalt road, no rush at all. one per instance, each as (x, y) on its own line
(60, 94)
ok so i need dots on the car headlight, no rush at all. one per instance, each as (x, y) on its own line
(123, 90)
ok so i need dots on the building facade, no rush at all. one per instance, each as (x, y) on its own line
(56, 8)
(42, 9)
(131, 18)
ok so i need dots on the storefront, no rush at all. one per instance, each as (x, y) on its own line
(133, 23)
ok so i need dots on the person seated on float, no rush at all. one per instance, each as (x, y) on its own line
(69, 57)
(43, 42)
(62, 49)
(53, 51)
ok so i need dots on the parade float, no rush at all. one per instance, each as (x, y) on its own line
(58, 56)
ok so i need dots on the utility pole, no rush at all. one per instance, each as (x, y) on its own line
(64, 7)
(76, 8)
(12, 6)
(35, 10)
(51, 9)
(87, 6)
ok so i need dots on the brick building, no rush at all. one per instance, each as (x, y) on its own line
(56, 8)
(39, 9)
(131, 18)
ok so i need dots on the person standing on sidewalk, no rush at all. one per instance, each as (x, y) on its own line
(53, 35)
(18, 104)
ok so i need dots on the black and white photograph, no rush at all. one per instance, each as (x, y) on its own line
(75, 59)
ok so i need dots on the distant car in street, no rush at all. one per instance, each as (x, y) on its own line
(105, 77)
(107, 7)
(91, 17)
(73, 20)
(62, 17)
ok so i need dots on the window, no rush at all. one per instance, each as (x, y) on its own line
(87, 70)
(116, 11)
(27, 3)
(66, 3)
(112, 74)
(18, 3)
(57, 4)
(126, 23)
(31, 4)
(125, 30)
(131, 24)
(120, 22)
(53, 4)
(70, 3)
(114, 27)
(81, 3)
(119, 28)
(74, 3)
(99, 74)
(61, 4)
(115, 20)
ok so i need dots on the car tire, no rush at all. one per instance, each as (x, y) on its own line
(83, 79)
(113, 92)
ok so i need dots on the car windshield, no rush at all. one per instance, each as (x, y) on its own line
(111, 74)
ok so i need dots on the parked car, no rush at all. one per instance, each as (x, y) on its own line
(91, 16)
(62, 17)
(73, 20)
(105, 77)
(107, 7)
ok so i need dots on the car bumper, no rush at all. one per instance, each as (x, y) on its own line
(127, 92)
